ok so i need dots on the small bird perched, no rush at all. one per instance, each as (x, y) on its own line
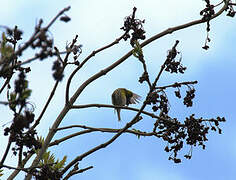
(122, 97)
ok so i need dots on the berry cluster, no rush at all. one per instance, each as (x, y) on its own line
(188, 99)
(171, 64)
(21, 121)
(130, 23)
(21, 93)
(172, 132)
(65, 18)
(7, 45)
(44, 43)
(21, 138)
(208, 12)
(190, 95)
(231, 11)
(14, 35)
(159, 102)
(144, 77)
(194, 131)
(58, 70)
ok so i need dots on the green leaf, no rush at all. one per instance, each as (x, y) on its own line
(6, 50)
(12, 97)
(60, 164)
(1, 170)
(137, 51)
(40, 139)
(26, 83)
(25, 94)
(134, 52)
(12, 101)
(49, 158)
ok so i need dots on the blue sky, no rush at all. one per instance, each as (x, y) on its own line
(98, 23)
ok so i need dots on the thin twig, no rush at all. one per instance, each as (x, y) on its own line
(111, 106)
(32, 59)
(5, 84)
(141, 58)
(56, 142)
(20, 155)
(46, 105)
(86, 60)
(92, 129)
(55, 86)
(4, 103)
(111, 130)
(6, 151)
(71, 47)
(18, 169)
(73, 172)
(177, 84)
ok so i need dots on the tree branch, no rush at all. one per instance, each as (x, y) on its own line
(56, 142)
(92, 129)
(5, 84)
(183, 26)
(76, 171)
(121, 131)
(6, 152)
(46, 106)
(93, 78)
(38, 34)
(18, 169)
(111, 106)
(54, 88)
(110, 130)
(86, 60)
(177, 84)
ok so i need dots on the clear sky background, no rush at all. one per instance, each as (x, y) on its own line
(98, 23)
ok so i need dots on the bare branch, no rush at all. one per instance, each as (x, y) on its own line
(32, 59)
(111, 106)
(56, 142)
(86, 60)
(46, 106)
(5, 84)
(4, 103)
(183, 26)
(18, 169)
(76, 170)
(92, 129)
(55, 86)
(121, 131)
(177, 84)
(6, 151)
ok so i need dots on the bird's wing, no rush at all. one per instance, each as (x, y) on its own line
(135, 98)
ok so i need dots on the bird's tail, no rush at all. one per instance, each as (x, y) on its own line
(118, 114)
